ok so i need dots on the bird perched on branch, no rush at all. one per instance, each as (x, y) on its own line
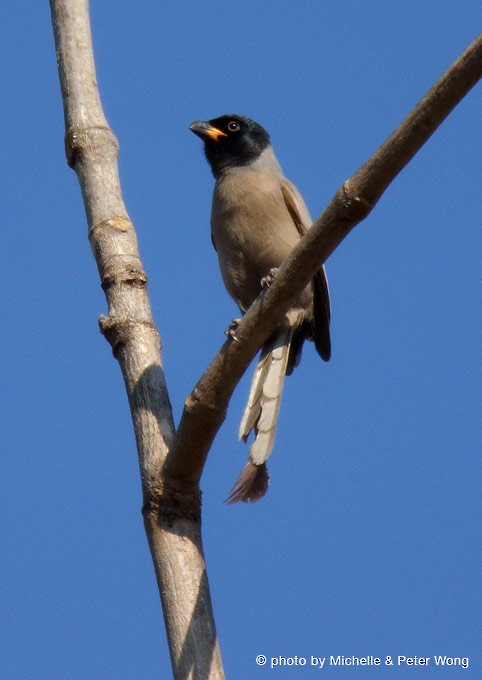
(257, 218)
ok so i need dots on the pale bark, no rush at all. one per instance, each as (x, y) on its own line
(172, 521)
(171, 463)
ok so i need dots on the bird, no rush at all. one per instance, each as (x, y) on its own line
(257, 218)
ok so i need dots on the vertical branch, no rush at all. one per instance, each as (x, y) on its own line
(172, 519)
(171, 496)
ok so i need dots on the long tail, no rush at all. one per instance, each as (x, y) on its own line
(261, 415)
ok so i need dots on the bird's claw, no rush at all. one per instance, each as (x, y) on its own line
(267, 280)
(230, 331)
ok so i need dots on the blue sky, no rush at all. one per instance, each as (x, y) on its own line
(368, 542)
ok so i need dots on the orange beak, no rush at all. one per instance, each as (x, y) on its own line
(206, 131)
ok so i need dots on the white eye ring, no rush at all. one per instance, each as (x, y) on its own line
(233, 126)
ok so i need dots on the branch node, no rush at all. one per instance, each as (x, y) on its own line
(167, 506)
(118, 332)
(117, 223)
(89, 138)
(197, 400)
(130, 276)
(356, 206)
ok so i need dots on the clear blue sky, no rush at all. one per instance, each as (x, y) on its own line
(368, 542)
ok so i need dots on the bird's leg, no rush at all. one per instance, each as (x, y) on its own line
(230, 331)
(267, 280)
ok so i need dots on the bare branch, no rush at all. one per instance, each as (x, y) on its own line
(206, 406)
(172, 521)
(171, 465)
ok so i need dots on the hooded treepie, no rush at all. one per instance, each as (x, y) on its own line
(257, 218)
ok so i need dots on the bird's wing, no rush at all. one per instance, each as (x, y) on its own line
(321, 294)
(296, 206)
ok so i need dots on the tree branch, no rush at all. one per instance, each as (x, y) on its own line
(171, 465)
(206, 406)
(172, 521)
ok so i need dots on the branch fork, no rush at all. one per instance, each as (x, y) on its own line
(171, 462)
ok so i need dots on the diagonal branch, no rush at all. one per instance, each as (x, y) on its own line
(206, 406)
(171, 464)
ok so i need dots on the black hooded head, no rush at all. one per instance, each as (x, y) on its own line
(231, 141)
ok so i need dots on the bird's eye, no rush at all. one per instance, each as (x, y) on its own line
(233, 126)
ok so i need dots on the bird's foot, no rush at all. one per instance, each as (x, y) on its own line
(230, 331)
(267, 280)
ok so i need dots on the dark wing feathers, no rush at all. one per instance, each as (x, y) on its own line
(322, 314)
(321, 296)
